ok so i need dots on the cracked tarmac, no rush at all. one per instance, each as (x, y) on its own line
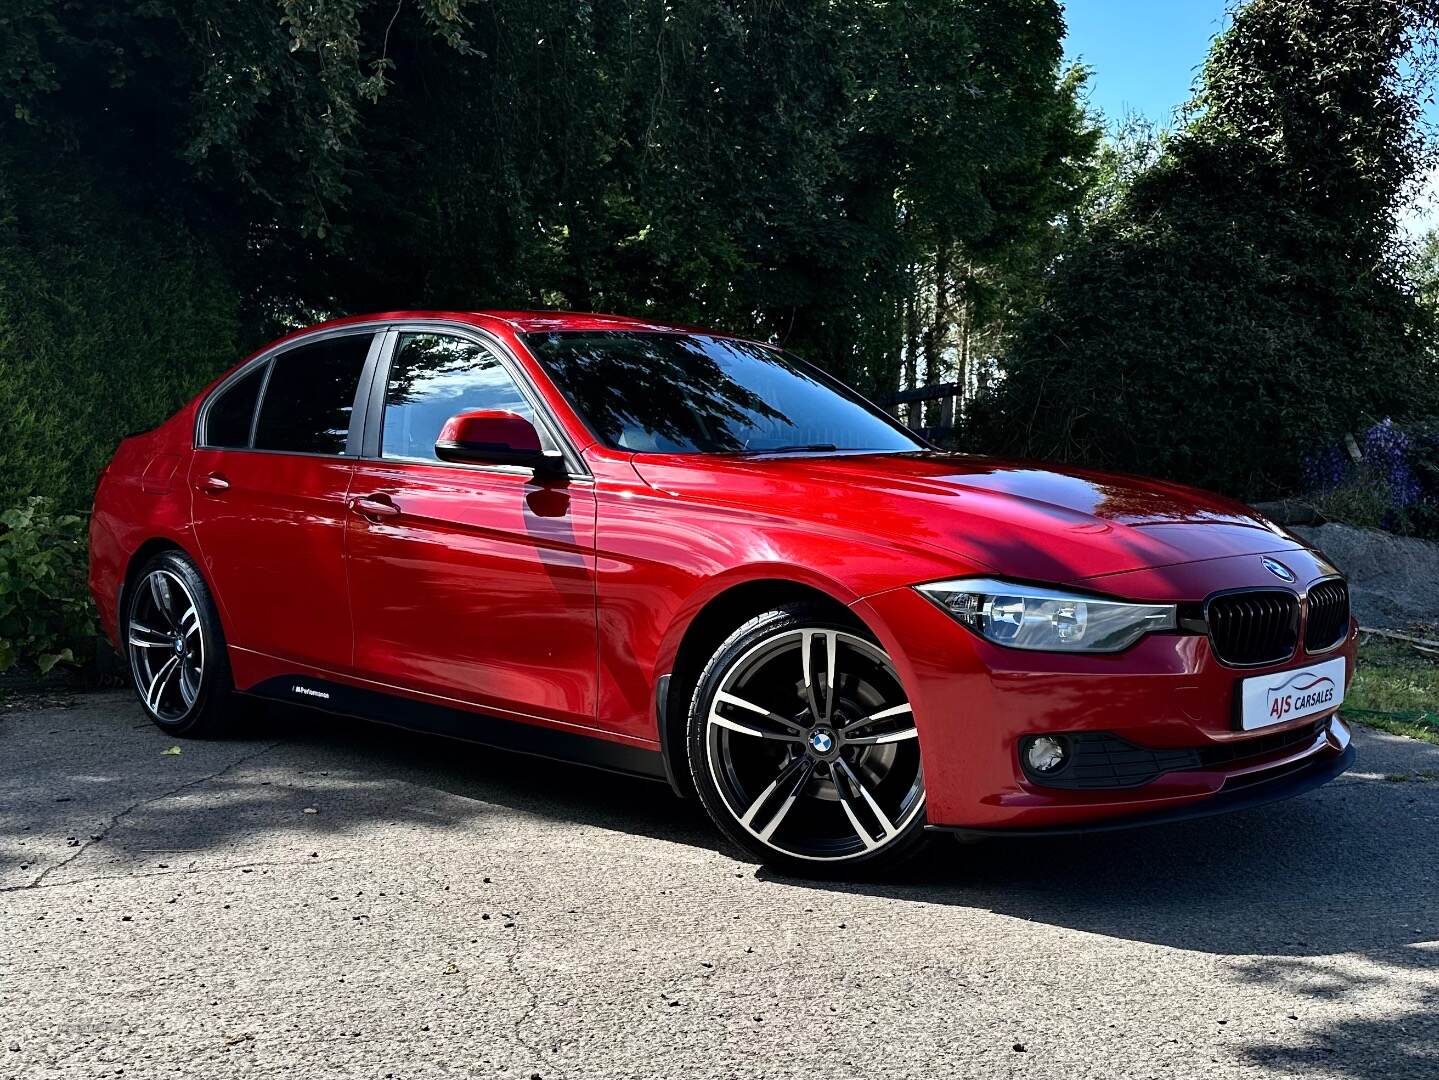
(451, 911)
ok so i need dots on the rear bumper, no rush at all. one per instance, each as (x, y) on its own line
(974, 701)
(1283, 785)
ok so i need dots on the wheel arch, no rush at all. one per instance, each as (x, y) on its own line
(715, 619)
(143, 554)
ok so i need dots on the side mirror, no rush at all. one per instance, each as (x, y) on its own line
(493, 437)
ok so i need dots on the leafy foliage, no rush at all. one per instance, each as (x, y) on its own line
(878, 186)
(778, 169)
(262, 101)
(203, 174)
(1394, 484)
(1246, 290)
(1423, 272)
(109, 320)
(44, 614)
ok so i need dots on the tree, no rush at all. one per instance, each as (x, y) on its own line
(1423, 272)
(1243, 300)
(797, 170)
(791, 170)
(241, 102)
(148, 151)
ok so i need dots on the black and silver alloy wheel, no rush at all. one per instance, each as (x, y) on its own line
(807, 744)
(167, 650)
(176, 651)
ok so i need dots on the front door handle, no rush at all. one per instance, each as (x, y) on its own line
(374, 507)
(213, 484)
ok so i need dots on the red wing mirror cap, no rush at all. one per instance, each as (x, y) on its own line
(493, 437)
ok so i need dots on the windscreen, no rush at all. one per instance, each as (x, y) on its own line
(695, 394)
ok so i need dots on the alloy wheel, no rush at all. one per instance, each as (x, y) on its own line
(812, 745)
(166, 644)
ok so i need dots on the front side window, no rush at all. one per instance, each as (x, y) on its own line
(227, 423)
(433, 377)
(695, 394)
(310, 397)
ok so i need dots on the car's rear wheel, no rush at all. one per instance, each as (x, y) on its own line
(176, 649)
(803, 748)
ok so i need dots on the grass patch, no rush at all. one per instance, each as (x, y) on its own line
(1394, 678)
(1413, 777)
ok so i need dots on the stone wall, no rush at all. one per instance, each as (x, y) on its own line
(1393, 580)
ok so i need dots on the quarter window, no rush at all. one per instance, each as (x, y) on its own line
(435, 376)
(310, 398)
(227, 424)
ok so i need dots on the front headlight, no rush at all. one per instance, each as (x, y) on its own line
(1051, 620)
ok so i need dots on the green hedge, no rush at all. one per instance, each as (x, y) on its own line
(45, 613)
(111, 316)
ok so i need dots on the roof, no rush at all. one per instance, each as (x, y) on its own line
(528, 322)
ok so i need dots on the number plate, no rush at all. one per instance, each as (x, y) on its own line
(1288, 695)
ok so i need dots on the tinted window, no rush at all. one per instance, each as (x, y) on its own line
(433, 377)
(311, 396)
(684, 393)
(227, 424)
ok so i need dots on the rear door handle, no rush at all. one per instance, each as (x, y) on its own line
(213, 484)
(374, 507)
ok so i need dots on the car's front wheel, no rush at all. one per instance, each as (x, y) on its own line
(803, 748)
(176, 649)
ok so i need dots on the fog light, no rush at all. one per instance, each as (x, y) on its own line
(1045, 753)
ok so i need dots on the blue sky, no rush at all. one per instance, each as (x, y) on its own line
(1144, 56)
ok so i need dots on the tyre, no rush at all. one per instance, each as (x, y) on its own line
(803, 748)
(176, 649)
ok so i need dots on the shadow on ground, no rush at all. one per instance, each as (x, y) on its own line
(1329, 894)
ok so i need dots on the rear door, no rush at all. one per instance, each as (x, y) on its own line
(270, 487)
(471, 582)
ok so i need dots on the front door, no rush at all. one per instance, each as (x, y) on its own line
(468, 582)
(269, 500)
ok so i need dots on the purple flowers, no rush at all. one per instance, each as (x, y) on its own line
(1325, 469)
(1387, 450)
(1393, 482)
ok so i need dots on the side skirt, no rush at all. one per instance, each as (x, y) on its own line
(396, 711)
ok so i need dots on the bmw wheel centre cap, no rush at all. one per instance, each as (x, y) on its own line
(821, 741)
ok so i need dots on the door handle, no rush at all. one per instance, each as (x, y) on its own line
(374, 506)
(213, 484)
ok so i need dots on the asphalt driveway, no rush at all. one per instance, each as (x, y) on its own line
(326, 899)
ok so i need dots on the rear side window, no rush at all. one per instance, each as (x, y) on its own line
(310, 398)
(227, 424)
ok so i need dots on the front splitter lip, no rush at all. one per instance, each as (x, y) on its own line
(1281, 787)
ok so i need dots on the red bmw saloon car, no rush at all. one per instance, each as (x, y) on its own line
(697, 558)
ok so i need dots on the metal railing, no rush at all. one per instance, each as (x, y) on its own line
(948, 394)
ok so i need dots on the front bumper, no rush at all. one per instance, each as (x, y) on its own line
(973, 701)
(1273, 786)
